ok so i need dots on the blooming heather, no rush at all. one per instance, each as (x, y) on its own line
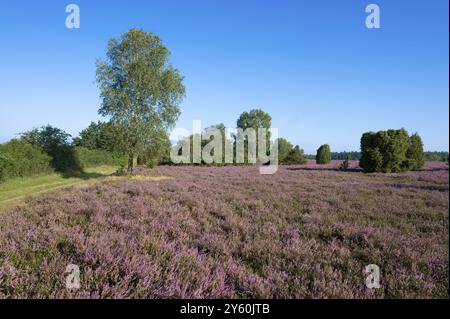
(228, 232)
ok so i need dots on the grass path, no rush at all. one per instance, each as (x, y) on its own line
(19, 187)
(13, 192)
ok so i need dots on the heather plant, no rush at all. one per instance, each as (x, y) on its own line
(323, 154)
(223, 232)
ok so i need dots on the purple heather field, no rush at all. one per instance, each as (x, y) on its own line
(228, 232)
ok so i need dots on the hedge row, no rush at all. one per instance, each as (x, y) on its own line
(19, 158)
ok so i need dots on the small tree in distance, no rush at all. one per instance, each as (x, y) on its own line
(255, 119)
(345, 165)
(323, 154)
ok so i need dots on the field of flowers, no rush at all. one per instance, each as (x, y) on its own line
(218, 232)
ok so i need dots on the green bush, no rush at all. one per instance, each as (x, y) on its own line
(323, 154)
(54, 142)
(19, 159)
(7, 167)
(284, 147)
(152, 163)
(295, 156)
(415, 153)
(89, 158)
(391, 151)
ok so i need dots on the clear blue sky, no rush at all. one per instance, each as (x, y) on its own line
(313, 65)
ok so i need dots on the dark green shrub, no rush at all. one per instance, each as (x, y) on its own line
(391, 151)
(55, 142)
(323, 154)
(284, 147)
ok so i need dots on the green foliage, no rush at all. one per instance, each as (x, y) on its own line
(288, 154)
(255, 119)
(55, 142)
(391, 151)
(20, 158)
(284, 147)
(97, 136)
(344, 155)
(151, 163)
(295, 156)
(47, 149)
(49, 138)
(226, 142)
(323, 154)
(156, 149)
(91, 158)
(436, 156)
(415, 152)
(140, 90)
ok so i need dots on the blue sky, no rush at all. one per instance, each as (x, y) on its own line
(313, 65)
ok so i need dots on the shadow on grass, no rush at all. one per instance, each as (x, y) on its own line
(82, 174)
(66, 162)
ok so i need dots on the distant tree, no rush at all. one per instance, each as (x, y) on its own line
(140, 90)
(284, 147)
(226, 143)
(436, 156)
(323, 154)
(96, 136)
(415, 154)
(295, 156)
(254, 119)
(344, 155)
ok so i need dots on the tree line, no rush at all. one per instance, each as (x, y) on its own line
(140, 94)
(50, 149)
